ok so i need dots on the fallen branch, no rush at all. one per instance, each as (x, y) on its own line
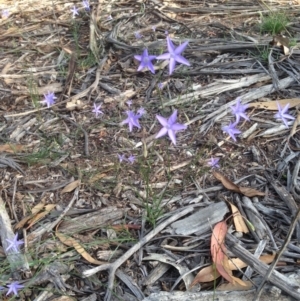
(261, 268)
(112, 267)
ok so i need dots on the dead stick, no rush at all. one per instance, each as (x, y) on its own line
(278, 255)
(276, 278)
(112, 267)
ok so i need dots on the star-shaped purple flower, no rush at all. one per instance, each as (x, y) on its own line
(173, 55)
(74, 11)
(145, 60)
(97, 110)
(14, 244)
(141, 111)
(231, 130)
(5, 13)
(14, 287)
(283, 115)
(86, 4)
(131, 159)
(213, 162)
(129, 102)
(170, 126)
(121, 158)
(239, 110)
(132, 120)
(49, 99)
(137, 35)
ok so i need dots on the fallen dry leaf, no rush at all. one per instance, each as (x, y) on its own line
(234, 279)
(210, 273)
(235, 286)
(40, 215)
(71, 242)
(238, 220)
(70, 187)
(36, 209)
(272, 105)
(281, 41)
(247, 191)
(218, 250)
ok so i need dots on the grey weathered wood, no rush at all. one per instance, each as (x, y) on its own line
(217, 295)
(201, 221)
(276, 278)
(286, 197)
(17, 260)
(253, 216)
(93, 220)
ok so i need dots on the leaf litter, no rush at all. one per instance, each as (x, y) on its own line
(60, 146)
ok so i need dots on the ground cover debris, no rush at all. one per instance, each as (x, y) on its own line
(149, 150)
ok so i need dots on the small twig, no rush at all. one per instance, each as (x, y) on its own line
(112, 267)
(278, 255)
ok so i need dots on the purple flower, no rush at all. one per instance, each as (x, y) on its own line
(239, 110)
(170, 126)
(231, 130)
(132, 120)
(153, 28)
(97, 110)
(86, 4)
(174, 55)
(160, 86)
(137, 35)
(74, 10)
(141, 111)
(121, 158)
(13, 288)
(49, 99)
(14, 244)
(109, 18)
(282, 114)
(129, 102)
(131, 159)
(213, 162)
(5, 13)
(145, 60)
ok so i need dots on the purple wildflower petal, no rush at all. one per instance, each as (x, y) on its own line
(170, 126)
(180, 48)
(163, 121)
(283, 115)
(164, 56)
(231, 130)
(172, 136)
(121, 158)
(174, 55)
(239, 110)
(132, 120)
(97, 110)
(14, 244)
(146, 61)
(131, 159)
(74, 10)
(162, 132)
(14, 287)
(213, 162)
